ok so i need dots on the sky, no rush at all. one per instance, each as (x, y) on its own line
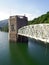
(30, 8)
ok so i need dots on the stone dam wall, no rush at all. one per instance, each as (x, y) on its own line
(37, 31)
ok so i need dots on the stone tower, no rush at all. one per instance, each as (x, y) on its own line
(16, 22)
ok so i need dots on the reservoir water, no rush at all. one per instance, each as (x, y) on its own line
(31, 53)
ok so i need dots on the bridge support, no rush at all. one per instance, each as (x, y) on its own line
(16, 22)
(22, 39)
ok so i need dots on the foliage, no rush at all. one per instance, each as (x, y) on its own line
(4, 28)
(42, 19)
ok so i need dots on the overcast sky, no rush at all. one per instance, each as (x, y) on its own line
(31, 8)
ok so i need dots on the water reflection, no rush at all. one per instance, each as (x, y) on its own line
(18, 51)
(39, 51)
(4, 49)
(31, 53)
(19, 54)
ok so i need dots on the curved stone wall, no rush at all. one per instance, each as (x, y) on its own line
(37, 31)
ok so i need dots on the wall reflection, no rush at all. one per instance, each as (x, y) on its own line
(18, 53)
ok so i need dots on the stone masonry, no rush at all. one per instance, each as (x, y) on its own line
(16, 22)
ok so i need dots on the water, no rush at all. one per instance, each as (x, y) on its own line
(31, 53)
